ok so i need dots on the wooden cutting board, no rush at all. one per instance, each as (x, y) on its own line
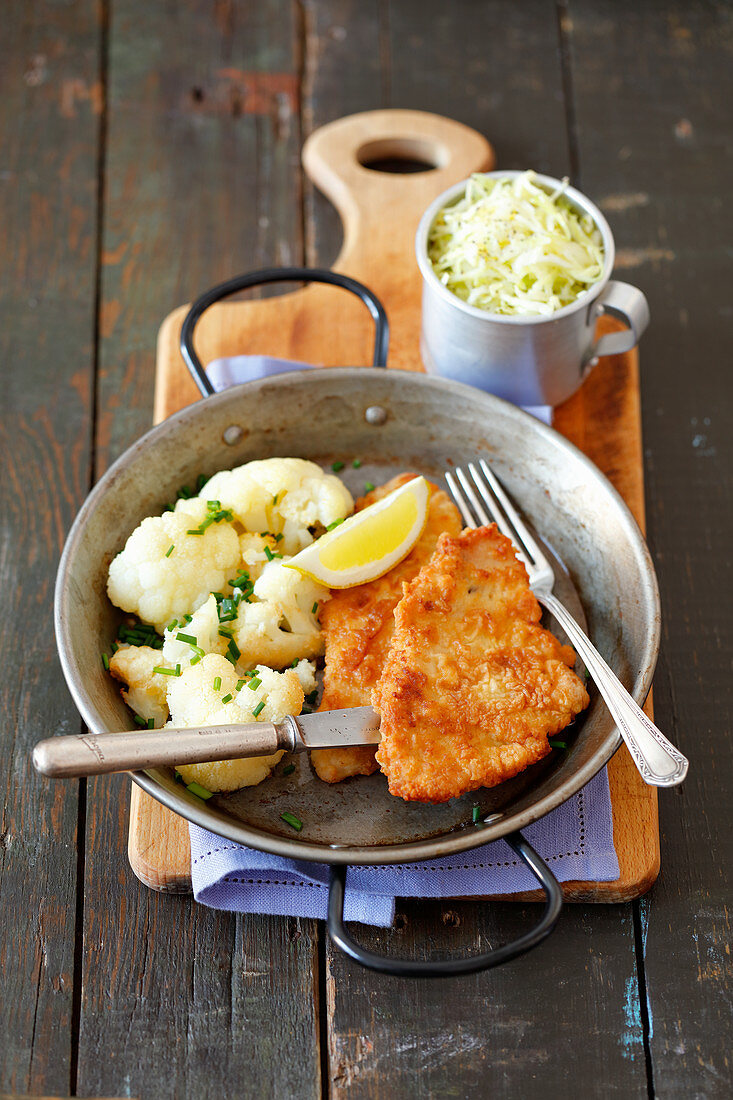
(322, 325)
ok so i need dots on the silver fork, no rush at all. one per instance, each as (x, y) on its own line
(658, 761)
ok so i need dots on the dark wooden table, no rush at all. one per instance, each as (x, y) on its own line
(149, 148)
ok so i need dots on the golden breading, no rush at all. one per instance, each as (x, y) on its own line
(358, 624)
(472, 686)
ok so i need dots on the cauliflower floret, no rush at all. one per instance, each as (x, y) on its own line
(306, 673)
(252, 548)
(159, 586)
(281, 625)
(194, 701)
(204, 627)
(146, 691)
(282, 495)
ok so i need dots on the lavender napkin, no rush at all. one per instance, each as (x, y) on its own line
(576, 839)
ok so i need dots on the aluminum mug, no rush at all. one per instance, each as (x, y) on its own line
(526, 360)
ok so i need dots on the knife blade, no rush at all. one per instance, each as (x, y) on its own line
(98, 754)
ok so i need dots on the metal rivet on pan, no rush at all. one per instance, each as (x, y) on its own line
(375, 414)
(232, 434)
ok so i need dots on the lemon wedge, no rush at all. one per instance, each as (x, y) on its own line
(369, 543)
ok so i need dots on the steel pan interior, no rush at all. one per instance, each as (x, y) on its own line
(430, 425)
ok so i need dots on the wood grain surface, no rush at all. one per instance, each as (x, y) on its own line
(152, 149)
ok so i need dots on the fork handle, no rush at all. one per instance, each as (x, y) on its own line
(659, 762)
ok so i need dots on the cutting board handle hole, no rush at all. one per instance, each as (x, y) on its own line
(402, 156)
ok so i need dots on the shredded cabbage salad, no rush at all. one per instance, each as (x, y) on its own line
(511, 247)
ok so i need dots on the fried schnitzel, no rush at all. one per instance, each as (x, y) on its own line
(358, 624)
(472, 685)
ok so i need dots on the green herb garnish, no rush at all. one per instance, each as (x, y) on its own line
(217, 683)
(477, 814)
(356, 463)
(289, 769)
(240, 685)
(105, 661)
(292, 820)
(170, 550)
(368, 487)
(197, 789)
(260, 706)
(161, 670)
(254, 684)
(314, 609)
(140, 721)
(187, 638)
(336, 466)
(227, 698)
(556, 744)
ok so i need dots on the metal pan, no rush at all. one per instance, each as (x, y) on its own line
(393, 421)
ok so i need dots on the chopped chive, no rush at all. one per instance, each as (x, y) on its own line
(213, 505)
(105, 661)
(240, 685)
(279, 537)
(336, 523)
(291, 819)
(274, 499)
(289, 769)
(200, 482)
(368, 487)
(254, 684)
(114, 647)
(178, 777)
(556, 744)
(184, 493)
(311, 696)
(477, 815)
(336, 466)
(197, 789)
(195, 660)
(170, 549)
(295, 662)
(151, 724)
(356, 463)
(260, 706)
(234, 649)
(196, 532)
(217, 683)
(173, 625)
(187, 638)
(314, 609)
(225, 632)
(268, 553)
(187, 618)
(162, 671)
(227, 698)
(140, 721)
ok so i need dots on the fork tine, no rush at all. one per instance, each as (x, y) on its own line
(468, 490)
(500, 520)
(530, 545)
(460, 500)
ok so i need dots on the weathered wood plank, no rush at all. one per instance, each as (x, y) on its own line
(202, 182)
(49, 140)
(661, 166)
(510, 1032)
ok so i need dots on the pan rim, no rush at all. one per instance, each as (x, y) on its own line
(413, 851)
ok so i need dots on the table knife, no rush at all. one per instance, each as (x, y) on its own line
(95, 754)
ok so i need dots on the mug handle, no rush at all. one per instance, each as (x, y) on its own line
(628, 304)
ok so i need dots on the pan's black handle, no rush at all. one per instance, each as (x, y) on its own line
(279, 275)
(447, 968)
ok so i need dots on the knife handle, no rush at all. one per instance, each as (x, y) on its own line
(96, 754)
